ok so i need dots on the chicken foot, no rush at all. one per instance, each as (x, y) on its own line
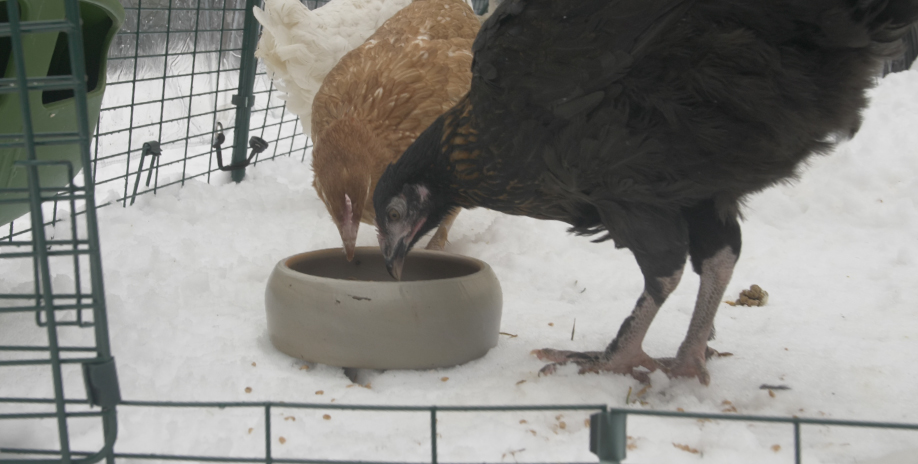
(625, 354)
(713, 243)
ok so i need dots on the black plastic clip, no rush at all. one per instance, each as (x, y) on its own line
(257, 144)
(101, 380)
(239, 100)
(149, 148)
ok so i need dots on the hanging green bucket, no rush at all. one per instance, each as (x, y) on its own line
(53, 111)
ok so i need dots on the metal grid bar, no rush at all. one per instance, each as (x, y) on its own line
(38, 232)
(46, 301)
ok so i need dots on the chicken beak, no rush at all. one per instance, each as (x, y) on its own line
(395, 259)
(348, 228)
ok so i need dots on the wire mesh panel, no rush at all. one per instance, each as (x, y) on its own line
(169, 112)
(175, 70)
(52, 305)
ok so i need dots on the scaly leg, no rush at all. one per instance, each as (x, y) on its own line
(438, 241)
(694, 351)
(714, 245)
(625, 354)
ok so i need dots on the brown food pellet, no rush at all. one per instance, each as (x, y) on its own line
(444, 379)
(320, 392)
(282, 440)
(326, 417)
(686, 448)
(776, 448)
(562, 425)
(551, 324)
(248, 389)
(523, 421)
(251, 430)
(304, 367)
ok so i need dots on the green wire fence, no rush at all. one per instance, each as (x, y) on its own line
(608, 428)
(55, 307)
(185, 99)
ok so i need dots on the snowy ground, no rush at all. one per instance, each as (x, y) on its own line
(185, 272)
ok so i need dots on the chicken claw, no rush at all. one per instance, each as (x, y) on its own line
(690, 366)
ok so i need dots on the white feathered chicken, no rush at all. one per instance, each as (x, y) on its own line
(300, 46)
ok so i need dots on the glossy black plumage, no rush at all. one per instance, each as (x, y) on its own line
(648, 120)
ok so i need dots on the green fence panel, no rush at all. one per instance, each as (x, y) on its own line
(52, 78)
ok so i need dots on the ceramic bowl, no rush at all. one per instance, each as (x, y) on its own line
(321, 308)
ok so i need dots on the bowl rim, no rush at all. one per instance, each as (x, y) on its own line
(483, 268)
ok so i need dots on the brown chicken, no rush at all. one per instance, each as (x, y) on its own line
(377, 100)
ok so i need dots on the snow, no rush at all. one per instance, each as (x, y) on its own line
(185, 274)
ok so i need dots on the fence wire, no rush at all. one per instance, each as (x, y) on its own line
(173, 70)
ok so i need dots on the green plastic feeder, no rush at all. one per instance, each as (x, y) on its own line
(53, 111)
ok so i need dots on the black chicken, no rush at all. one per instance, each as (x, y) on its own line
(648, 121)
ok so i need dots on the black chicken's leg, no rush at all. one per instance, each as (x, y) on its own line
(662, 272)
(714, 245)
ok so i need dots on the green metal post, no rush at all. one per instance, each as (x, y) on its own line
(245, 99)
(100, 319)
(38, 231)
(78, 67)
(433, 435)
(608, 436)
(268, 458)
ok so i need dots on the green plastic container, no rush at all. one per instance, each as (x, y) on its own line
(47, 54)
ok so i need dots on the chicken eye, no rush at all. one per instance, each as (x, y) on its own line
(393, 214)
